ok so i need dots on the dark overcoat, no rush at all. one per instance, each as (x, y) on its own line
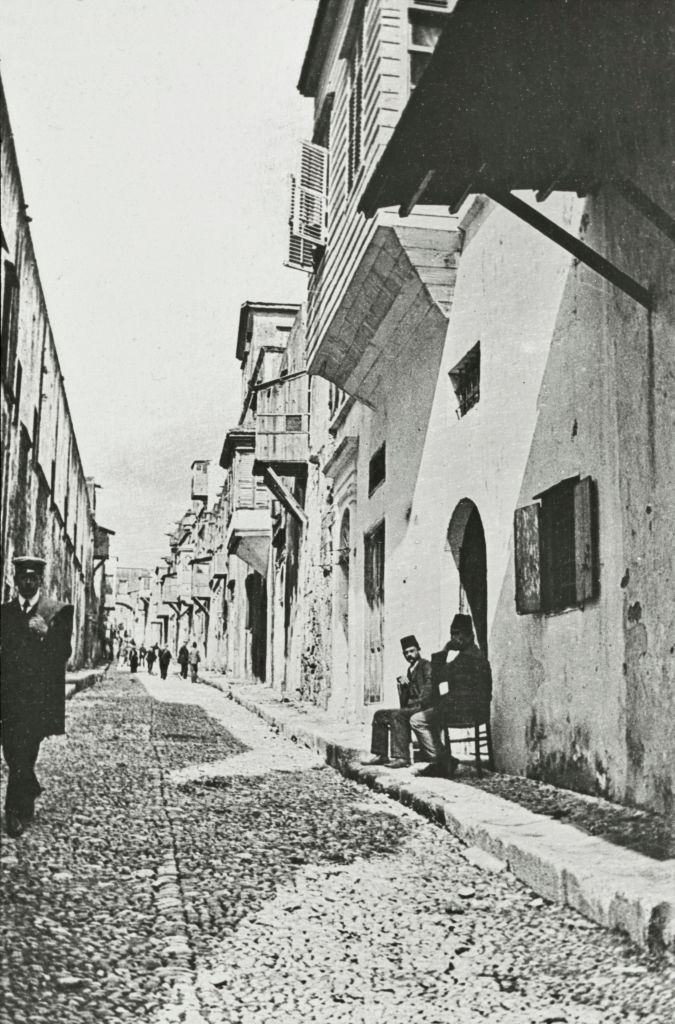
(33, 668)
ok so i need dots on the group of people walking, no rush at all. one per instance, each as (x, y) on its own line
(129, 654)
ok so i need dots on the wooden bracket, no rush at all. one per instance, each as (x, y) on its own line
(574, 246)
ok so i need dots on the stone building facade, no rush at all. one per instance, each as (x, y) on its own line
(48, 504)
(468, 415)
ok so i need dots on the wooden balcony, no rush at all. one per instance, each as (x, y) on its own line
(282, 426)
(201, 571)
(218, 566)
(170, 590)
(376, 291)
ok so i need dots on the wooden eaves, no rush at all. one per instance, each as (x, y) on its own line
(538, 95)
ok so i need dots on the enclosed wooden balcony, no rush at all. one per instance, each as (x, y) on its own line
(170, 590)
(200, 578)
(380, 287)
(218, 566)
(282, 426)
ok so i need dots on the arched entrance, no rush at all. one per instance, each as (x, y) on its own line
(466, 539)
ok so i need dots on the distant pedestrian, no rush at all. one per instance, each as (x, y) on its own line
(182, 659)
(164, 660)
(150, 658)
(194, 660)
(133, 658)
(36, 632)
(141, 655)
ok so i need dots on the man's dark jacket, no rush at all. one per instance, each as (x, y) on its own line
(469, 680)
(33, 668)
(419, 692)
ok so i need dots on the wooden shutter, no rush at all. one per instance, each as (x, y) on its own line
(585, 540)
(311, 205)
(527, 559)
(300, 251)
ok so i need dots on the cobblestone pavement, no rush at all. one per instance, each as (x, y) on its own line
(186, 864)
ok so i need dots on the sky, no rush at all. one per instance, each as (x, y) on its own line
(154, 140)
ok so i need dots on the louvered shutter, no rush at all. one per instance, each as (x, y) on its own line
(311, 205)
(527, 559)
(300, 251)
(585, 543)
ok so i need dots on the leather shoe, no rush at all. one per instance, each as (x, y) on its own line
(451, 766)
(432, 771)
(398, 762)
(13, 825)
(375, 760)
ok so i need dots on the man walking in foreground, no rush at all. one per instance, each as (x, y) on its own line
(36, 632)
(469, 680)
(416, 693)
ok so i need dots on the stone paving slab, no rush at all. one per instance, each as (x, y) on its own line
(617, 888)
(82, 680)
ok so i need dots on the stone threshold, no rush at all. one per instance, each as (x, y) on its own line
(616, 888)
(83, 680)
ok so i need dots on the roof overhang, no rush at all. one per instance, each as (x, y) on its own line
(249, 537)
(236, 439)
(531, 94)
(319, 43)
(247, 309)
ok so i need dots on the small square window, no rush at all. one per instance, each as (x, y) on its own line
(294, 424)
(465, 380)
(377, 469)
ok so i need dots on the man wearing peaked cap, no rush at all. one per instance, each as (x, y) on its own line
(35, 648)
(416, 693)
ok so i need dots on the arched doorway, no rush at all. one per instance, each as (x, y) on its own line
(466, 539)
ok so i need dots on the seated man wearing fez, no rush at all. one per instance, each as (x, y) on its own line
(469, 680)
(35, 648)
(416, 693)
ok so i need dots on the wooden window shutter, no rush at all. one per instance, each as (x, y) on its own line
(527, 559)
(300, 251)
(585, 540)
(311, 205)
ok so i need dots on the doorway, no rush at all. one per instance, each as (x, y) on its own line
(466, 539)
(374, 589)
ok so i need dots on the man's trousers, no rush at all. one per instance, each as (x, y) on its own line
(21, 747)
(394, 722)
(428, 727)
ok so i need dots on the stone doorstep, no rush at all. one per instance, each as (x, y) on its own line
(82, 680)
(614, 887)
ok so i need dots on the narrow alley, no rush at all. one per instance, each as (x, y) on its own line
(187, 864)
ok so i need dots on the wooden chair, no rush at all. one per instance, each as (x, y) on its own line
(482, 741)
(479, 721)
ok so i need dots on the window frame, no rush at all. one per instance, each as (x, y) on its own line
(541, 563)
(377, 475)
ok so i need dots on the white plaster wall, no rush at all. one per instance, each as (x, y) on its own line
(570, 383)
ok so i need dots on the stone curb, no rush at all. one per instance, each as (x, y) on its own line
(82, 680)
(614, 887)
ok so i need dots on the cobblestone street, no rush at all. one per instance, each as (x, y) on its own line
(187, 864)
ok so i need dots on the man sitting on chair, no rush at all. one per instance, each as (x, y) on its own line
(416, 693)
(469, 680)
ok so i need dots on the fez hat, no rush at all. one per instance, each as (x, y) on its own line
(462, 623)
(29, 562)
(409, 641)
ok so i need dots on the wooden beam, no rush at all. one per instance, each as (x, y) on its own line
(281, 492)
(647, 207)
(574, 246)
(201, 605)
